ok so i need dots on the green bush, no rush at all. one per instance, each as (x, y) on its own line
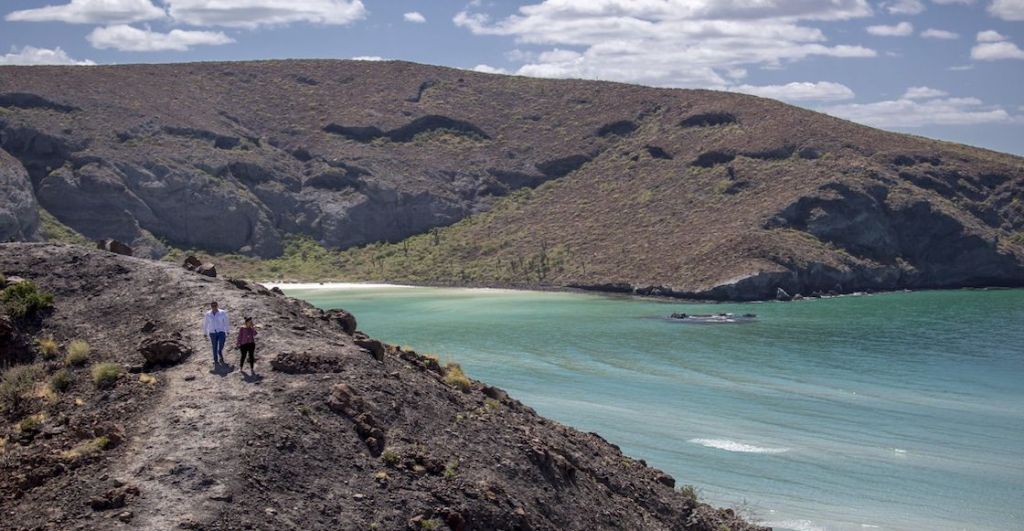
(15, 383)
(689, 492)
(24, 299)
(104, 375)
(48, 347)
(61, 381)
(78, 353)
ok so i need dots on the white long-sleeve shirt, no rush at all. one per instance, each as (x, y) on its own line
(215, 322)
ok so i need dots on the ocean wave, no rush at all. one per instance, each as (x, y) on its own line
(733, 446)
(794, 525)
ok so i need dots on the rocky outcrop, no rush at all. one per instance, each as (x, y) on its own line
(114, 246)
(19, 212)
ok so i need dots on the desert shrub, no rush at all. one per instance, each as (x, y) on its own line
(48, 347)
(430, 524)
(61, 381)
(106, 374)
(78, 353)
(454, 376)
(31, 422)
(450, 469)
(24, 299)
(689, 492)
(15, 383)
(390, 457)
(87, 448)
(147, 379)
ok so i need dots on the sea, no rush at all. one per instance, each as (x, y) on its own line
(897, 411)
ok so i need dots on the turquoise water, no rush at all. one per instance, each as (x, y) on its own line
(896, 411)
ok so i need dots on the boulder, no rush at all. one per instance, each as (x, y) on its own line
(207, 269)
(167, 350)
(373, 346)
(191, 263)
(114, 246)
(346, 321)
(782, 295)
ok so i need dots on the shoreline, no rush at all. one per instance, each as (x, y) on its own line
(286, 285)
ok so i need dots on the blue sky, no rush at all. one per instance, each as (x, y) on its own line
(948, 69)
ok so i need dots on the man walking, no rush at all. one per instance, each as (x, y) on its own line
(215, 325)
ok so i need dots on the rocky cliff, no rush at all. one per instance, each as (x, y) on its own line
(334, 430)
(555, 182)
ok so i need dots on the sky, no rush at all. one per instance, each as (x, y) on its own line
(946, 69)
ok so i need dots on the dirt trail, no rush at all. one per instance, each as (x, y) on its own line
(184, 456)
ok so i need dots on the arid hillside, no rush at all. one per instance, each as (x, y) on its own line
(555, 182)
(113, 418)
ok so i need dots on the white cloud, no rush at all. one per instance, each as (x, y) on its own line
(995, 51)
(1007, 9)
(415, 17)
(923, 93)
(904, 7)
(948, 2)
(899, 30)
(932, 33)
(128, 39)
(668, 42)
(488, 69)
(911, 113)
(254, 13)
(30, 55)
(91, 12)
(800, 91)
(990, 36)
(368, 58)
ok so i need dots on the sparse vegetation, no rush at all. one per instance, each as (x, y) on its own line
(430, 524)
(147, 379)
(689, 492)
(454, 376)
(491, 404)
(55, 231)
(15, 384)
(78, 353)
(24, 299)
(390, 457)
(48, 347)
(61, 381)
(87, 448)
(31, 423)
(450, 469)
(104, 375)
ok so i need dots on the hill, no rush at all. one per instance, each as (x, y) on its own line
(540, 182)
(334, 431)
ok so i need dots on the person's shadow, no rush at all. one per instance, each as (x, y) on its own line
(252, 378)
(222, 369)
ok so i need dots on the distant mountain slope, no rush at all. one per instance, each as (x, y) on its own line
(673, 191)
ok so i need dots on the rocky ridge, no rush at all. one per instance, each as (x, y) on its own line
(334, 431)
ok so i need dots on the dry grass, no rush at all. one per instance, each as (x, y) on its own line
(48, 347)
(78, 353)
(61, 381)
(87, 448)
(454, 377)
(105, 375)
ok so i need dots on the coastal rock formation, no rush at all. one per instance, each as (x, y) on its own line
(323, 436)
(672, 192)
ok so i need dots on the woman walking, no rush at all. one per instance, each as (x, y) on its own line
(247, 344)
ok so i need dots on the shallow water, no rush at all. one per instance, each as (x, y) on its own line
(895, 411)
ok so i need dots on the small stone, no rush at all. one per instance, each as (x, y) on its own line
(269, 511)
(358, 497)
(125, 516)
(190, 377)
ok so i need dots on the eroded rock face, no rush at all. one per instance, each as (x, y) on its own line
(19, 212)
(169, 350)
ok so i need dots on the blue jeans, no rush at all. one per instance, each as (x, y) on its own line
(218, 339)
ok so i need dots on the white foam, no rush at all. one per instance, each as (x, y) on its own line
(795, 525)
(332, 285)
(733, 446)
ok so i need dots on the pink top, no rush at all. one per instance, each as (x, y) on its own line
(246, 335)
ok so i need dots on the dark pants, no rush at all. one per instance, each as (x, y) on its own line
(217, 340)
(250, 351)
